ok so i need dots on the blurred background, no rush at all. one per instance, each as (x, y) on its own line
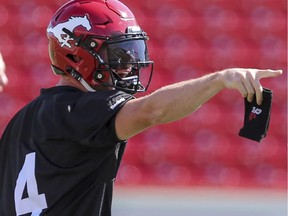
(198, 165)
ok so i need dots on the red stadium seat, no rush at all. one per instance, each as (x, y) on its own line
(187, 39)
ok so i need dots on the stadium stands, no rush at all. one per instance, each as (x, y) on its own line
(188, 38)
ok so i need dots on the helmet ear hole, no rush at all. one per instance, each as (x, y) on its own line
(73, 58)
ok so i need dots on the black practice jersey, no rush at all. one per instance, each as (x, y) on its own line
(59, 155)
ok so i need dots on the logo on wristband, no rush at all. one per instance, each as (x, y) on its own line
(254, 113)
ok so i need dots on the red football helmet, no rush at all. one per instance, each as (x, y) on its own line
(99, 42)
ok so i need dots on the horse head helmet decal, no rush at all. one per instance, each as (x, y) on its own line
(71, 24)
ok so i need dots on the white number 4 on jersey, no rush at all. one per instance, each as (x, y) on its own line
(35, 202)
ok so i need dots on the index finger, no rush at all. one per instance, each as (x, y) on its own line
(268, 73)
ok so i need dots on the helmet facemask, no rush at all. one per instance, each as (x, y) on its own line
(125, 58)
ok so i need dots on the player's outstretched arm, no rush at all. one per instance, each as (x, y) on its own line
(3, 77)
(178, 100)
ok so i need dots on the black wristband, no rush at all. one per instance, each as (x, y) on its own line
(257, 117)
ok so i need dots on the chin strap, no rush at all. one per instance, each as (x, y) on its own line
(79, 78)
(86, 86)
(129, 84)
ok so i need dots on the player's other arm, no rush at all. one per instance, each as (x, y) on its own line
(178, 100)
(3, 77)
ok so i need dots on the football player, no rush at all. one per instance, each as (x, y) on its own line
(60, 154)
